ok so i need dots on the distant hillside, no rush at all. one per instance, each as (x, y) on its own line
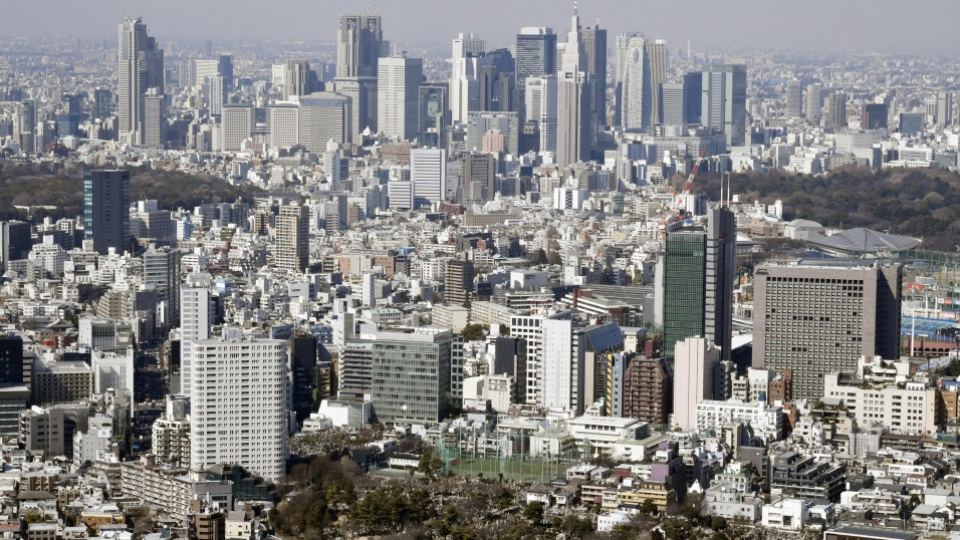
(35, 185)
(922, 203)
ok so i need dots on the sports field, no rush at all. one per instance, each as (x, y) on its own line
(524, 471)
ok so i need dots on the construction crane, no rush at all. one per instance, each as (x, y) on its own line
(696, 167)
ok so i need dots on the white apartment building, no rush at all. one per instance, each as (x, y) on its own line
(908, 408)
(195, 320)
(767, 422)
(238, 404)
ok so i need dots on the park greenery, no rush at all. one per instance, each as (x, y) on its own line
(60, 186)
(922, 203)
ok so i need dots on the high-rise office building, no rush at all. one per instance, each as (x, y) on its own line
(324, 116)
(478, 177)
(458, 281)
(873, 116)
(595, 50)
(161, 269)
(428, 173)
(238, 404)
(820, 318)
(238, 123)
(536, 54)
(398, 86)
(506, 124)
(466, 62)
(196, 317)
(225, 70)
(217, 94)
(153, 122)
(541, 108)
(140, 68)
(15, 242)
(299, 79)
(794, 99)
(698, 272)
(11, 360)
(102, 103)
(944, 108)
(433, 116)
(632, 59)
(837, 111)
(106, 209)
(693, 98)
(670, 108)
(655, 75)
(25, 126)
(359, 39)
(303, 375)
(912, 123)
(415, 376)
(283, 120)
(724, 104)
(293, 238)
(574, 103)
(814, 103)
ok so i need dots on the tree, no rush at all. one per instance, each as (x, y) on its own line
(430, 464)
(718, 523)
(648, 507)
(538, 257)
(474, 332)
(555, 259)
(534, 512)
(608, 277)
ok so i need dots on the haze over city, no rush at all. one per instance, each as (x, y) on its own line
(818, 24)
(492, 270)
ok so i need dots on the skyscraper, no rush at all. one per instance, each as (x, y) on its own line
(161, 268)
(196, 318)
(433, 115)
(699, 265)
(11, 360)
(359, 48)
(574, 103)
(794, 99)
(25, 126)
(238, 123)
(293, 238)
(299, 79)
(815, 319)
(398, 86)
(873, 116)
(595, 50)
(102, 103)
(724, 104)
(153, 123)
(238, 404)
(837, 111)
(466, 62)
(541, 107)
(670, 108)
(814, 103)
(324, 116)
(358, 45)
(655, 74)
(106, 209)
(631, 68)
(428, 173)
(944, 108)
(140, 68)
(536, 53)
(478, 177)
(693, 97)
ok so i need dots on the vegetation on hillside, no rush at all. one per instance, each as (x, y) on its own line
(923, 203)
(56, 185)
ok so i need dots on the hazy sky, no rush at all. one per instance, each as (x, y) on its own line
(882, 25)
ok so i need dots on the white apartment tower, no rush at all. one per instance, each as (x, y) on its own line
(195, 321)
(466, 62)
(238, 404)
